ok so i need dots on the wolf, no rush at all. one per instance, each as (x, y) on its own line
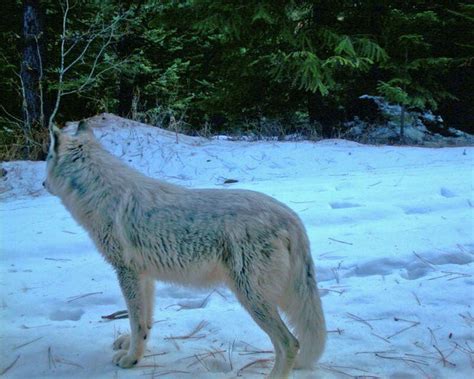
(148, 230)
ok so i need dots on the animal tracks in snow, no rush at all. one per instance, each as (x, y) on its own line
(343, 205)
(417, 266)
(446, 192)
(64, 314)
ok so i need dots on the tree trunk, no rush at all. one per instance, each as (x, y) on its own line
(31, 65)
(402, 124)
(321, 113)
(126, 85)
(125, 95)
(126, 45)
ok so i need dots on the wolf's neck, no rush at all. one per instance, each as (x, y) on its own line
(97, 188)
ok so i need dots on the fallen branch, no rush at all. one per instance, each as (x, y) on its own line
(116, 315)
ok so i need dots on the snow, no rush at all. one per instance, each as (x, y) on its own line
(391, 230)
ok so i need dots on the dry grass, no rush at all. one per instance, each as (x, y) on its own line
(16, 144)
(193, 334)
(342, 370)
(262, 363)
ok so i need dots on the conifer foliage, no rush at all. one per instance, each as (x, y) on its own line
(212, 66)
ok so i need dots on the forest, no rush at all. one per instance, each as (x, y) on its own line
(205, 67)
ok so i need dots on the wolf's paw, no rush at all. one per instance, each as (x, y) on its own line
(122, 343)
(122, 359)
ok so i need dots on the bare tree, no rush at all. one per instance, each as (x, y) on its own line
(76, 50)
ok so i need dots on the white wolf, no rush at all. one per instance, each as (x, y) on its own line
(151, 230)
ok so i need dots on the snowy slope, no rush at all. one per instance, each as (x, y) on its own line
(392, 236)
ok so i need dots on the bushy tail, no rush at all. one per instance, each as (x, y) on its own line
(304, 310)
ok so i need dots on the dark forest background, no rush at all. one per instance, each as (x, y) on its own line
(206, 66)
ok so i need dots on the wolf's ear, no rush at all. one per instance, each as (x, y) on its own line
(83, 128)
(55, 136)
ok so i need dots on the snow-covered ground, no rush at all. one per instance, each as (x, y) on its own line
(392, 236)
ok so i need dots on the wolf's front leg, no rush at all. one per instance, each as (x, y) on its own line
(135, 289)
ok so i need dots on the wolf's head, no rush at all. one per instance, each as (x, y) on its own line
(65, 156)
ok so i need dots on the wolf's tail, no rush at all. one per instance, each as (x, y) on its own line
(303, 307)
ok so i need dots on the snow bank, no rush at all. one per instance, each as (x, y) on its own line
(391, 230)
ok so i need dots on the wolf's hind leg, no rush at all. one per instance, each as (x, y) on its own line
(149, 293)
(139, 306)
(267, 317)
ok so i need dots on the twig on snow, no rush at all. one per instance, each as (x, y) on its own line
(58, 259)
(200, 358)
(51, 363)
(416, 298)
(263, 362)
(5, 370)
(66, 362)
(359, 319)
(403, 359)
(444, 358)
(425, 261)
(163, 373)
(344, 242)
(468, 350)
(338, 370)
(468, 318)
(413, 324)
(116, 315)
(155, 355)
(193, 333)
(451, 275)
(74, 298)
(382, 338)
(229, 354)
(27, 343)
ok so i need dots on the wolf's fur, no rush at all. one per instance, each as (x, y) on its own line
(148, 229)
